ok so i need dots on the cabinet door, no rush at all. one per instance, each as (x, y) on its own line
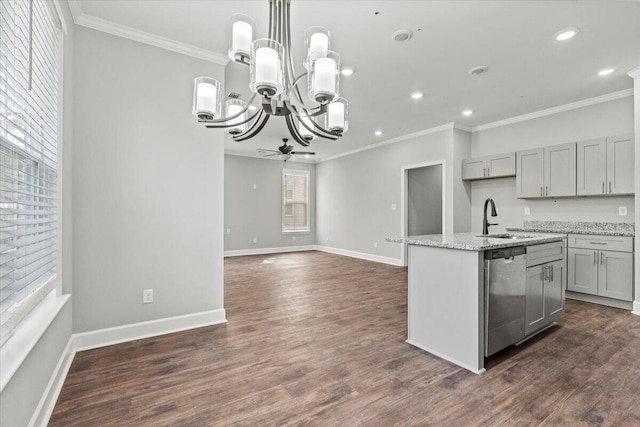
(501, 165)
(474, 168)
(530, 173)
(591, 167)
(620, 160)
(582, 274)
(616, 275)
(534, 300)
(554, 291)
(560, 170)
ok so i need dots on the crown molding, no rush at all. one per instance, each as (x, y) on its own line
(447, 126)
(143, 37)
(635, 73)
(555, 110)
(74, 8)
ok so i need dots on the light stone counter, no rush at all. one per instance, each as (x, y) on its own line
(476, 242)
(575, 227)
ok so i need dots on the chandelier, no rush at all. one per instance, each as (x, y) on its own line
(274, 82)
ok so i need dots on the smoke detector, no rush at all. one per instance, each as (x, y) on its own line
(402, 35)
(476, 71)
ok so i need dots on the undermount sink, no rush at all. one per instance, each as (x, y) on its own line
(506, 236)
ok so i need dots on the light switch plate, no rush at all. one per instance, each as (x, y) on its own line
(255, 186)
(394, 207)
(527, 211)
(622, 210)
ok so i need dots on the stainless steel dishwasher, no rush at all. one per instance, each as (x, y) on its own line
(504, 290)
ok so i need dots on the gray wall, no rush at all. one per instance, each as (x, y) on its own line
(355, 193)
(609, 118)
(148, 186)
(250, 212)
(424, 200)
(21, 395)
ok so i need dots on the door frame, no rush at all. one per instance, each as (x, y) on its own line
(404, 201)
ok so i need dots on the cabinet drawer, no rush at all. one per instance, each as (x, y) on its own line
(610, 243)
(546, 252)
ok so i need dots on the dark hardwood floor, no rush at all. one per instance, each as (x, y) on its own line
(319, 339)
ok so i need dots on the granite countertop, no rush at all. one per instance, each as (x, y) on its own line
(574, 227)
(473, 242)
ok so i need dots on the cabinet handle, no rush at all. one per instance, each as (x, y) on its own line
(551, 273)
(595, 256)
(541, 192)
(484, 171)
(545, 272)
(601, 260)
(609, 187)
(602, 187)
(488, 171)
(598, 243)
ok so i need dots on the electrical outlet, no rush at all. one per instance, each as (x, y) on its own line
(147, 296)
(394, 207)
(228, 231)
(293, 238)
(622, 210)
(255, 240)
(375, 244)
(527, 211)
(255, 186)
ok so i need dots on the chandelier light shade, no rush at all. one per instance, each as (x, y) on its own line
(206, 96)
(338, 116)
(275, 84)
(242, 28)
(236, 107)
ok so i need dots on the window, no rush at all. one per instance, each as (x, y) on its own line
(295, 201)
(28, 158)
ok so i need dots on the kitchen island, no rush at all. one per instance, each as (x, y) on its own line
(446, 291)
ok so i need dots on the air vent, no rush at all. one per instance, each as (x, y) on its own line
(233, 95)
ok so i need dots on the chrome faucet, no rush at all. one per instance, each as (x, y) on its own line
(485, 223)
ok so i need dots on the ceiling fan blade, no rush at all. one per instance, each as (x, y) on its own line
(307, 153)
(264, 150)
(271, 155)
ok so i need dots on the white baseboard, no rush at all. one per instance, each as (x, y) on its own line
(636, 308)
(361, 255)
(116, 335)
(152, 328)
(262, 251)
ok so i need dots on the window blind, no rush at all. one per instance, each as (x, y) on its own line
(28, 158)
(295, 193)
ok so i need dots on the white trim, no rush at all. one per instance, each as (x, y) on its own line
(404, 200)
(361, 255)
(555, 110)
(262, 251)
(43, 411)
(56, 15)
(448, 126)
(152, 328)
(148, 38)
(447, 358)
(635, 73)
(15, 351)
(74, 8)
(636, 308)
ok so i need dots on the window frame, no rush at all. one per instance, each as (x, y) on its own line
(307, 175)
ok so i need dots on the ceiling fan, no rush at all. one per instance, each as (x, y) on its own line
(285, 151)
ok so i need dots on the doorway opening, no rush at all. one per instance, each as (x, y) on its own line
(423, 193)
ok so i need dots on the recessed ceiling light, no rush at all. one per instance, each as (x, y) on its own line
(606, 71)
(565, 34)
(467, 112)
(378, 133)
(347, 71)
(416, 95)
(480, 69)
(402, 35)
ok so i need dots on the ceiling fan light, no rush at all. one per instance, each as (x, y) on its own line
(242, 28)
(233, 107)
(206, 95)
(316, 45)
(337, 118)
(266, 67)
(306, 134)
(324, 78)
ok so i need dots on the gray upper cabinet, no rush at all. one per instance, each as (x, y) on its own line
(547, 172)
(496, 166)
(605, 166)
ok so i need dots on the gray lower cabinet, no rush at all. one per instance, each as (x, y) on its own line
(544, 295)
(594, 269)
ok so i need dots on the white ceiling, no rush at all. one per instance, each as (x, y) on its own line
(529, 71)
